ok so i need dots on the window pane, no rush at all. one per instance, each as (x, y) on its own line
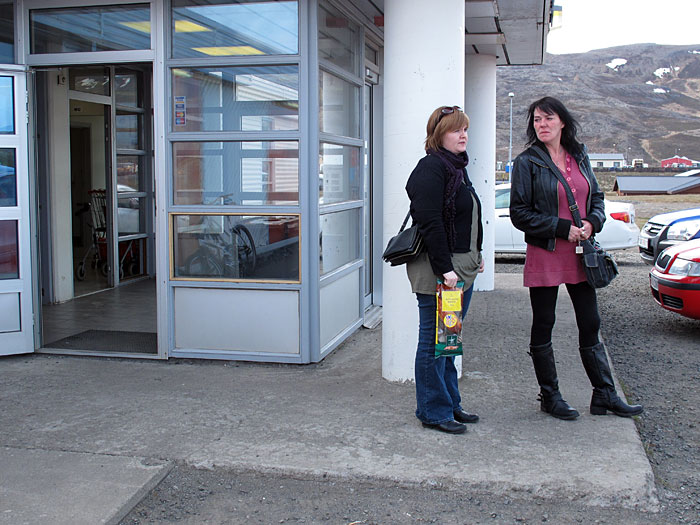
(86, 29)
(236, 98)
(130, 173)
(340, 239)
(90, 80)
(8, 178)
(7, 33)
(339, 176)
(9, 253)
(338, 39)
(131, 214)
(246, 173)
(250, 247)
(128, 131)
(370, 54)
(235, 27)
(340, 106)
(127, 88)
(7, 106)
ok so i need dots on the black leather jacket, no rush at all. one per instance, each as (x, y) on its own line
(534, 200)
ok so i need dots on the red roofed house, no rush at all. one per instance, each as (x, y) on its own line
(676, 161)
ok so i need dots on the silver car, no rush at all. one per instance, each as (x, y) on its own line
(619, 230)
(667, 229)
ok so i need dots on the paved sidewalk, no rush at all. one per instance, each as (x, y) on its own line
(83, 439)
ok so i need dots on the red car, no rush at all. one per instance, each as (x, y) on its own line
(675, 279)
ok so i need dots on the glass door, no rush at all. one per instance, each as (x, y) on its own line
(367, 195)
(16, 313)
(132, 178)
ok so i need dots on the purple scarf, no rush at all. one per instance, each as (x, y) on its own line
(454, 164)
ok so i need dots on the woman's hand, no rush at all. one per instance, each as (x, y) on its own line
(481, 266)
(587, 230)
(574, 233)
(450, 279)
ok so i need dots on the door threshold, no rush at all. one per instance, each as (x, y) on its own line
(96, 353)
(373, 317)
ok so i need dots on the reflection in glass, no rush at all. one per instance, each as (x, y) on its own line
(8, 177)
(248, 247)
(339, 111)
(234, 27)
(127, 89)
(236, 98)
(7, 106)
(89, 80)
(7, 33)
(239, 173)
(130, 214)
(338, 39)
(340, 239)
(9, 252)
(93, 28)
(339, 175)
(128, 131)
(129, 173)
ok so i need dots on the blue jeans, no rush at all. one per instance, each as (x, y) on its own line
(437, 389)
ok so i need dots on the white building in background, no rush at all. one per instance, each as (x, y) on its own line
(607, 160)
(239, 163)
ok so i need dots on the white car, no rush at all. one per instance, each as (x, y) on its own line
(619, 231)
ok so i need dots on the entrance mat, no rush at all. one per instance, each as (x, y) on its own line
(109, 341)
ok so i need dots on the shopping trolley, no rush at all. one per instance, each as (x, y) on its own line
(97, 252)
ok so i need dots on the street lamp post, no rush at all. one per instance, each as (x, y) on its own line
(510, 138)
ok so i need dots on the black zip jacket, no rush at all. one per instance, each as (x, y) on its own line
(534, 200)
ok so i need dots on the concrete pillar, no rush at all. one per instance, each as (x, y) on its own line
(424, 69)
(480, 105)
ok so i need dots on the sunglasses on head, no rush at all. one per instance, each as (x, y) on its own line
(447, 111)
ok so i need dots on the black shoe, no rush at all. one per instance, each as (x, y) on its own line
(451, 427)
(464, 417)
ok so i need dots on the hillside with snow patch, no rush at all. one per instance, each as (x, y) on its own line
(641, 100)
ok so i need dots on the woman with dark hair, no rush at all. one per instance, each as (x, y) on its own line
(540, 208)
(447, 211)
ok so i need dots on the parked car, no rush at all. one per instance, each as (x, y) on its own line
(667, 229)
(619, 231)
(675, 279)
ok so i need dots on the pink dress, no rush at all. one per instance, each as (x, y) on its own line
(563, 265)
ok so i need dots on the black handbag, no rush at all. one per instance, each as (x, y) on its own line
(599, 265)
(405, 246)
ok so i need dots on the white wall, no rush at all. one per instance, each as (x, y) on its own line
(60, 188)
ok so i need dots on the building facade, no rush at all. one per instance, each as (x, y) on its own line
(240, 163)
(607, 160)
(679, 162)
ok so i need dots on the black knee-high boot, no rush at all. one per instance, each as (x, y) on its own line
(546, 372)
(605, 397)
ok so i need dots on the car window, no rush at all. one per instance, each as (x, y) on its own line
(503, 198)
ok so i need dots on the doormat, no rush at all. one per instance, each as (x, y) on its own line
(109, 341)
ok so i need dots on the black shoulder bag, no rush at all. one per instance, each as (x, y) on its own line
(598, 264)
(405, 246)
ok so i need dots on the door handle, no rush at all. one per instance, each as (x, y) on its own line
(506, 215)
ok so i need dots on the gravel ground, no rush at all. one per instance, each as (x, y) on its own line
(656, 355)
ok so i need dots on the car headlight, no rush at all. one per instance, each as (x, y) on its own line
(684, 267)
(683, 230)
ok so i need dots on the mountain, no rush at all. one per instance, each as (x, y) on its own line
(641, 100)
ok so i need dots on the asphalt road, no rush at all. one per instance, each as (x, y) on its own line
(656, 355)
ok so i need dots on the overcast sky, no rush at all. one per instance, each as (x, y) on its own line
(595, 24)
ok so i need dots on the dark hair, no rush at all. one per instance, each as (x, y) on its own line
(440, 124)
(550, 105)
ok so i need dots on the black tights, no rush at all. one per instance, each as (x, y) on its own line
(544, 301)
